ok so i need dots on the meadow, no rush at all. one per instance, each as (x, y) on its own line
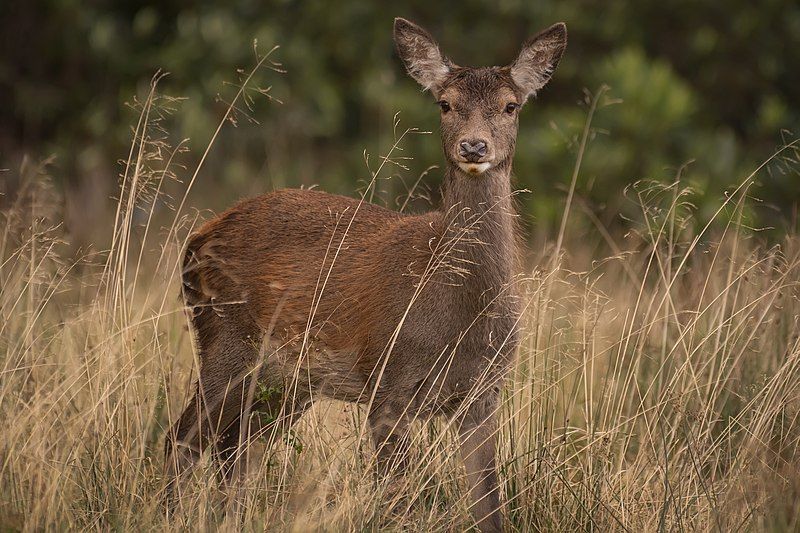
(657, 387)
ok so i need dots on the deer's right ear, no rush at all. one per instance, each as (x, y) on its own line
(539, 58)
(420, 54)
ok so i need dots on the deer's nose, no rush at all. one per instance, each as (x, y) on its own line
(472, 150)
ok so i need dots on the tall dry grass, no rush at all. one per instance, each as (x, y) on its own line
(657, 389)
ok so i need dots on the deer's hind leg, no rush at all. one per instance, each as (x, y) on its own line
(228, 349)
(228, 341)
(240, 395)
(271, 405)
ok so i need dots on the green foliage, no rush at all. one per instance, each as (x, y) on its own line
(694, 81)
(270, 398)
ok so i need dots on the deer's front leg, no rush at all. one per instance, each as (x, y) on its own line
(478, 433)
(389, 429)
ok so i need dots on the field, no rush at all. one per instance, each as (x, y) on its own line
(657, 388)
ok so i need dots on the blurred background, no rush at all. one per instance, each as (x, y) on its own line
(715, 85)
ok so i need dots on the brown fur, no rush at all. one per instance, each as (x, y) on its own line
(322, 295)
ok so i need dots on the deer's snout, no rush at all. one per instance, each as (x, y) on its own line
(472, 150)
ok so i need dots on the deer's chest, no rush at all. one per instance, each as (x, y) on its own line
(459, 356)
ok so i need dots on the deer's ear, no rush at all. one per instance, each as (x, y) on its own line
(539, 58)
(420, 54)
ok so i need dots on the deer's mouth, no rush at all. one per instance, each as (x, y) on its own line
(474, 168)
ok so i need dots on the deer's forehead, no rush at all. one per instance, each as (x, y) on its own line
(479, 86)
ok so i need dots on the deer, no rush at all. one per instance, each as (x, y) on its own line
(308, 295)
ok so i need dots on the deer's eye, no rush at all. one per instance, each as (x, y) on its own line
(511, 107)
(444, 106)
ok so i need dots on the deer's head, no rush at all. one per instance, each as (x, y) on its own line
(479, 106)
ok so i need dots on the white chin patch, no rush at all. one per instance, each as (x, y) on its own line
(474, 168)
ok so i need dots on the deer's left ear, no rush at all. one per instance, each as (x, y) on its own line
(420, 54)
(539, 58)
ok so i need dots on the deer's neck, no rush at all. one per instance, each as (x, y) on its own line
(480, 219)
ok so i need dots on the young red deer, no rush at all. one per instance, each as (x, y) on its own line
(299, 294)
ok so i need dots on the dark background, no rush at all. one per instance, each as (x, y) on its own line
(714, 83)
